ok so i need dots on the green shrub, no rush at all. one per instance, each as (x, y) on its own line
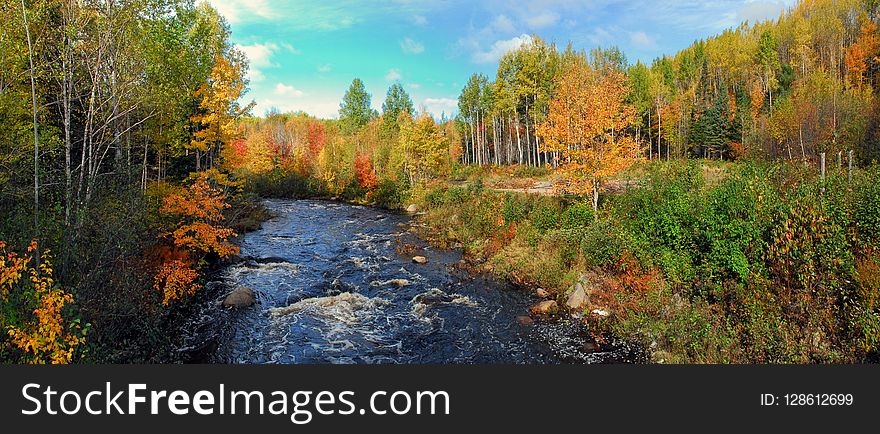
(545, 217)
(515, 208)
(577, 215)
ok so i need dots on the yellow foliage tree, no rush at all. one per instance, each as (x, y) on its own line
(588, 126)
(47, 337)
(422, 151)
(219, 108)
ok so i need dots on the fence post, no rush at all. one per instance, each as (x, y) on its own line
(822, 163)
(839, 160)
(849, 162)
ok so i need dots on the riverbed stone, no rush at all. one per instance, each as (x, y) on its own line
(579, 295)
(412, 209)
(240, 297)
(542, 293)
(525, 320)
(546, 307)
(420, 259)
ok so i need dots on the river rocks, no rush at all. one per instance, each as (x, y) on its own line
(602, 313)
(525, 320)
(412, 209)
(240, 297)
(420, 259)
(542, 293)
(546, 307)
(579, 297)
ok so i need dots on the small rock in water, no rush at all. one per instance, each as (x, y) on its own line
(412, 209)
(240, 297)
(600, 312)
(542, 293)
(420, 260)
(525, 320)
(547, 307)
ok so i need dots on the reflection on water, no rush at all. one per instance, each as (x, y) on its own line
(331, 288)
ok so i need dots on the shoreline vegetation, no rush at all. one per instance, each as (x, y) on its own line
(720, 205)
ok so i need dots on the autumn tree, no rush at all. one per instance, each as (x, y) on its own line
(422, 151)
(863, 53)
(196, 230)
(589, 125)
(219, 107)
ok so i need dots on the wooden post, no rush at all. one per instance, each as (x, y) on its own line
(849, 163)
(840, 159)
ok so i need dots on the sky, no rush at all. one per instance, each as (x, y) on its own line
(305, 53)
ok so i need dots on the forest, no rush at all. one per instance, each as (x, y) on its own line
(719, 205)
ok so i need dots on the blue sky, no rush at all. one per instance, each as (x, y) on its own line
(304, 54)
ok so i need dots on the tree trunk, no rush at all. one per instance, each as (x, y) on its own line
(36, 132)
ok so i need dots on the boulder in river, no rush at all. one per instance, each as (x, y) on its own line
(240, 297)
(525, 320)
(412, 209)
(546, 307)
(542, 293)
(579, 297)
(420, 259)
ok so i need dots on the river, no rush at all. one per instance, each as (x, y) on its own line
(335, 283)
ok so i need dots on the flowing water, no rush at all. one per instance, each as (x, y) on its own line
(332, 287)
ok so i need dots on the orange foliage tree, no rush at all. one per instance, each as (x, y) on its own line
(588, 126)
(366, 176)
(198, 230)
(863, 52)
(33, 318)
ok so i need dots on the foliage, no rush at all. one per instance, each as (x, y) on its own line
(197, 230)
(587, 126)
(43, 334)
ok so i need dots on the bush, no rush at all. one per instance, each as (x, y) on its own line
(515, 208)
(545, 217)
(577, 215)
(390, 193)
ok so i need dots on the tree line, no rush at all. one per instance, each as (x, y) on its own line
(789, 88)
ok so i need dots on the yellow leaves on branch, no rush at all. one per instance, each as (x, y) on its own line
(198, 230)
(177, 280)
(589, 126)
(47, 337)
(219, 109)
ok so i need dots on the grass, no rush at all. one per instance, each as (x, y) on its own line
(709, 262)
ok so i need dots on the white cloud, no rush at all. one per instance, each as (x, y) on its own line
(260, 58)
(282, 89)
(325, 68)
(756, 11)
(237, 11)
(502, 24)
(260, 55)
(500, 48)
(414, 86)
(436, 106)
(541, 20)
(411, 46)
(642, 40)
(290, 48)
(420, 20)
(393, 75)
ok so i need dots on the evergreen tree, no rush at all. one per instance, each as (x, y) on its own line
(355, 110)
